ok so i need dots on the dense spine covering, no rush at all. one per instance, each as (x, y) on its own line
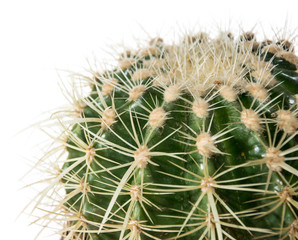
(196, 140)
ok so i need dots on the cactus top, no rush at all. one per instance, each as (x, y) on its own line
(195, 140)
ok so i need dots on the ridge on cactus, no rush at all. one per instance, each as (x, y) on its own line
(190, 140)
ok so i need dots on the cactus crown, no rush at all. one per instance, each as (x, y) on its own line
(190, 140)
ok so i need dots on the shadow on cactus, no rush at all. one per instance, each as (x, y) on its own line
(194, 140)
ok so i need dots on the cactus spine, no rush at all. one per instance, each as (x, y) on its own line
(195, 140)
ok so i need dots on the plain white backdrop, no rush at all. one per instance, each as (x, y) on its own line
(40, 39)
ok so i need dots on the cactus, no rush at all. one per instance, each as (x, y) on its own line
(194, 140)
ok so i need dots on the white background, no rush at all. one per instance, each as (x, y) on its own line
(39, 39)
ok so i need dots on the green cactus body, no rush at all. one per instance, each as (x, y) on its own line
(189, 141)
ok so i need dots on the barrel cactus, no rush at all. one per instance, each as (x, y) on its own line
(193, 140)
